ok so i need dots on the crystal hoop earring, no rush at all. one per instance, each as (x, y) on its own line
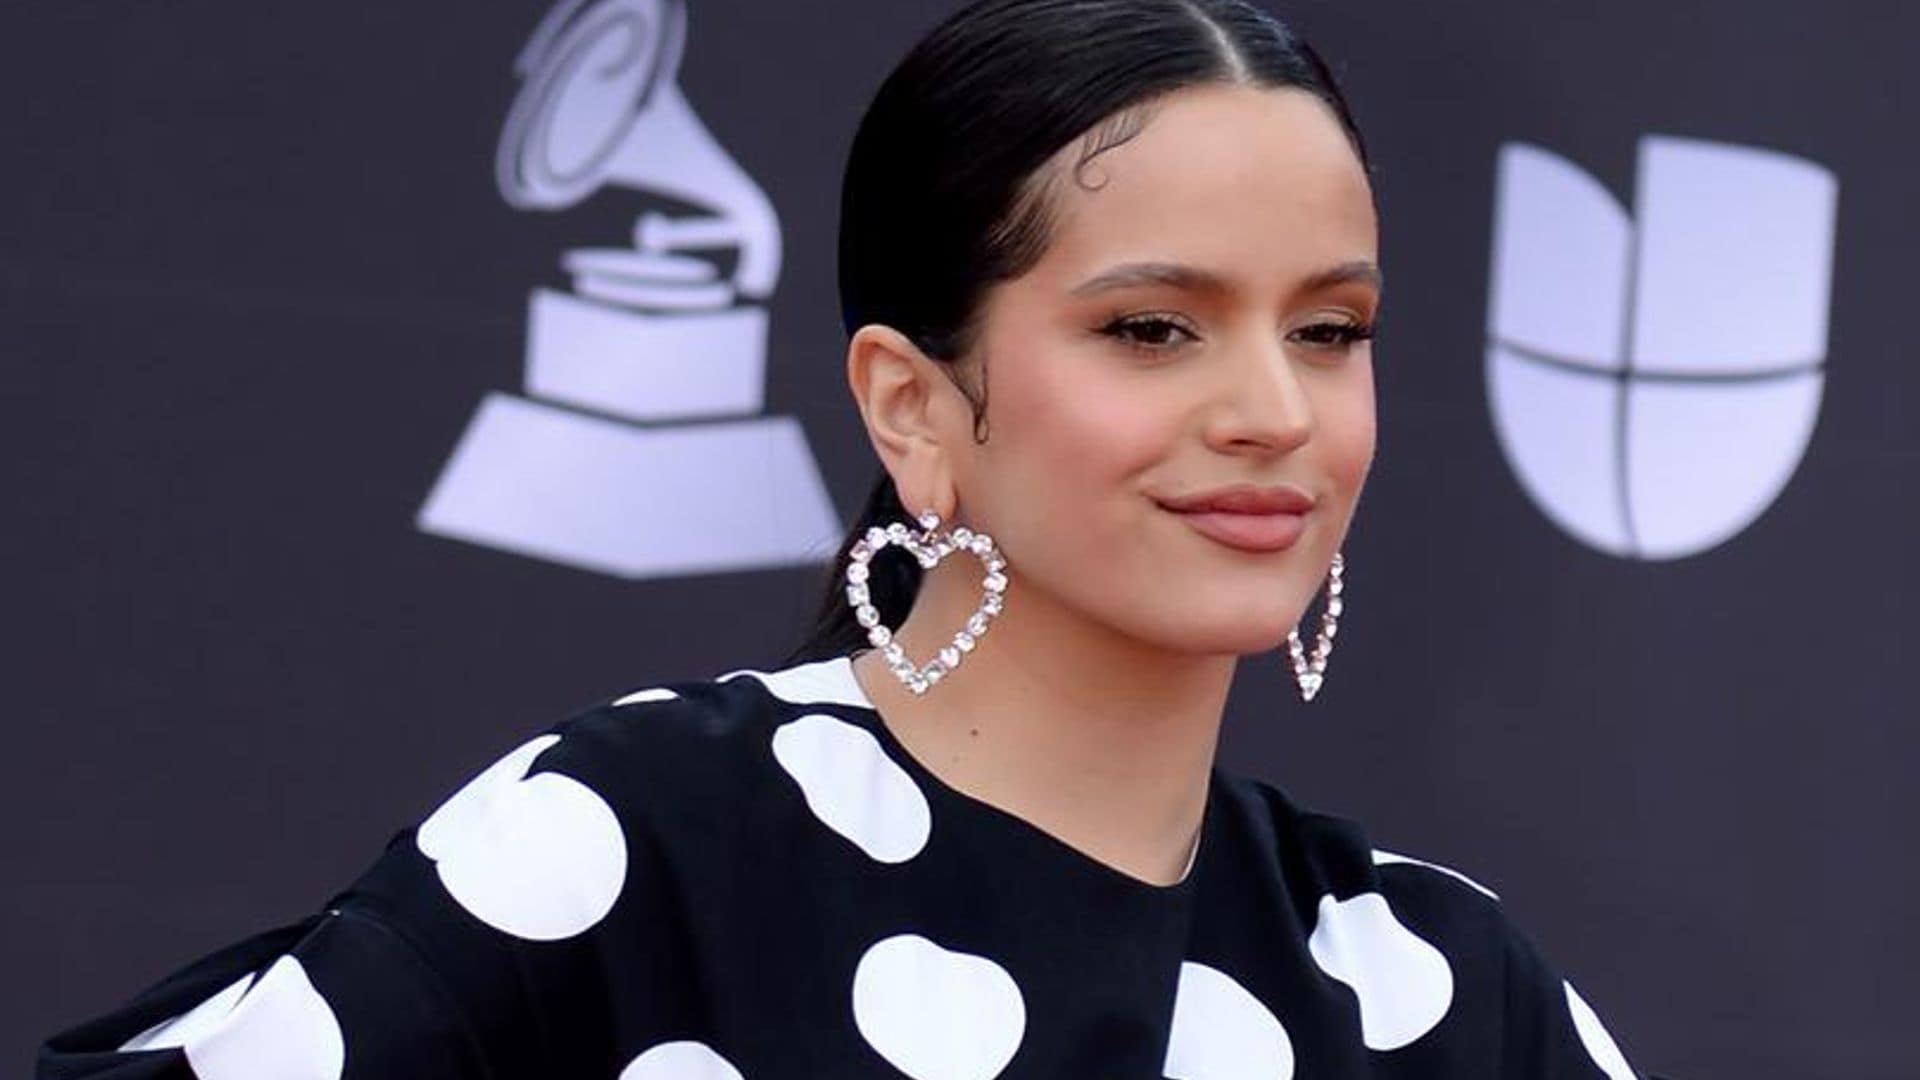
(929, 546)
(1310, 672)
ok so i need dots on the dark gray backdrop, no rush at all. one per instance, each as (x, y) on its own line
(255, 275)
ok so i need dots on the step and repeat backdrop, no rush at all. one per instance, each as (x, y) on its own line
(385, 381)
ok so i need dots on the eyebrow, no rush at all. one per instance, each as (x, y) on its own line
(1180, 275)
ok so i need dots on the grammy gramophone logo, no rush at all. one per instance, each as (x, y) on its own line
(638, 445)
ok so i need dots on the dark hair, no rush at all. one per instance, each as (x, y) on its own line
(945, 195)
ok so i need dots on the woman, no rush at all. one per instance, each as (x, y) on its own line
(1109, 272)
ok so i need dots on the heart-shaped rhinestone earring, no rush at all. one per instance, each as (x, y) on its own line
(929, 546)
(1310, 672)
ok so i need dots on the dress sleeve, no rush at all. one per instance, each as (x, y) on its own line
(476, 945)
(1551, 1033)
(1515, 1016)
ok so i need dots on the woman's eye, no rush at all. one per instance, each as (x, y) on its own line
(1334, 335)
(1157, 333)
(1147, 332)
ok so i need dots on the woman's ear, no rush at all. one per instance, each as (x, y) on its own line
(904, 401)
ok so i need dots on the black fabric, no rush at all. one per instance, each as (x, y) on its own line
(773, 857)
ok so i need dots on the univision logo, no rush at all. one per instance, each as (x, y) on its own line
(1654, 384)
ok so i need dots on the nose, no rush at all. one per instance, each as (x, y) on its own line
(1262, 403)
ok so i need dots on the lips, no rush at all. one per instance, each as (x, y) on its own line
(1242, 499)
(1245, 517)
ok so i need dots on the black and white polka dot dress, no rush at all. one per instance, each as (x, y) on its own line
(748, 878)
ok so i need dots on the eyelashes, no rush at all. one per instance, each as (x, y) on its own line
(1146, 333)
(1159, 333)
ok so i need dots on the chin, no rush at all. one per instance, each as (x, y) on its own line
(1222, 637)
(1265, 639)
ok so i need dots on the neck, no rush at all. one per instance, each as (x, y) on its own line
(1103, 740)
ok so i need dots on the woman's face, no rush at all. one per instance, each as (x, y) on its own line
(1234, 363)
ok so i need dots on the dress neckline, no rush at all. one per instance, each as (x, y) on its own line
(1068, 853)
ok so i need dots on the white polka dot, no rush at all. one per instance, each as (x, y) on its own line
(936, 1014)
(539, 857)
(1404, 984)
(1593, 1034)
(853, 787)
(1382, 858)
(1222, 1032)
(819, 683)
(651, 693)
(684, 1060)
(277, 1025)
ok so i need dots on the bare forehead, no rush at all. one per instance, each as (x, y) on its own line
(1213, 162)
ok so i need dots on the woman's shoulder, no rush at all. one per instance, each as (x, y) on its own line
(541, 840)
(1418, 937)
(441, 954)
(663, 744)
(1338, 855)
(735, 700)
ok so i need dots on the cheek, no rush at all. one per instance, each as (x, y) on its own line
(1059, 480)
(1347, 436)
(1347, 428)
(1076, 431)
